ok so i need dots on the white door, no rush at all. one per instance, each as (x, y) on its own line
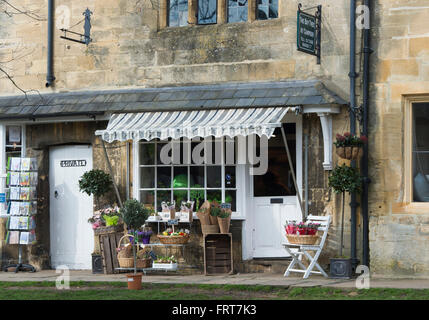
(72, 239)
(273, 195)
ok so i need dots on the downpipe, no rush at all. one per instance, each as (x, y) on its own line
(50, 50)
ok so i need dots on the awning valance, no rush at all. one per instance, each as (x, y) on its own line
(190, 124)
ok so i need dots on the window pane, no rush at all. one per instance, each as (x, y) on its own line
(147, 154)
(214, 176)
(230, 197)
(421, 152)
(267, 9)
(229, 177)
(197, 195)
(207, 11)
(197, 177)
(163, 195)
(178, 13)
(237, 10)
(180, 179)
(214, 195)
(197, 152)
(147, 198)
(179, 196)
(159, 146)
(13, 135)
(164, 177)
(147, 177)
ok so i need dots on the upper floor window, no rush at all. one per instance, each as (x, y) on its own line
(267, 9)
(420, 151)
(178, 13)
(207, 11)
(237, 10)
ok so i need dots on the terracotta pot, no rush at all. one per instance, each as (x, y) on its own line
(134, 281)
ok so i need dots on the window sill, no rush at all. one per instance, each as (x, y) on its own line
(410, 208)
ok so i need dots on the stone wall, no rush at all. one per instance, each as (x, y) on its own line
(399, 71)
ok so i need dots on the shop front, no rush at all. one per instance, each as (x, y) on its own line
(224, 143)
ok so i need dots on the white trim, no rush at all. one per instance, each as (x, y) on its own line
(326, 123)
(136, 170)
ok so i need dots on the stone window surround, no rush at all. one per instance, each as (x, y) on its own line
(222, 15)
(407, 205)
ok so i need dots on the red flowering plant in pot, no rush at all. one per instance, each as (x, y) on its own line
(302, 233)
(349, 146)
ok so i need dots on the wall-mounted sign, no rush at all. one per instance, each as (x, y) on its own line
(2, 197)
(309, 31)
(72, 163)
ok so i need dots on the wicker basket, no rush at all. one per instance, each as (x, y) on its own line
(173, 239)
(128, 262)
(302, 239)
(110, 229)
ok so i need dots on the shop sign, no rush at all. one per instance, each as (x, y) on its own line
(72, 163)
(173, 222)
(2, 197)
(309, 32)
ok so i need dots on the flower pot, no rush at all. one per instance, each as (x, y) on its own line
(134, 281)
(146, 240)
(224, 224)
(340, 268)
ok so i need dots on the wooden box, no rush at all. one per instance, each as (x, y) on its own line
(108, 244)
(218, 253)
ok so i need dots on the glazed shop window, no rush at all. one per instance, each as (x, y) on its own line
(420, 151)
(207, 11)
(13, 141)
(186, 177)
(267, 9)
(237, 10)
(177, 13)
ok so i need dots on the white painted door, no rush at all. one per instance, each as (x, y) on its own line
(72, 239)
(273, 195)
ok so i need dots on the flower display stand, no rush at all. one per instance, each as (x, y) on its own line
(218, 256)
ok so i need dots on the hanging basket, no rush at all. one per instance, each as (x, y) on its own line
(349, 153)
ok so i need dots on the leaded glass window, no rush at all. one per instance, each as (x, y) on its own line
(267, 9)
(207, 11)
(237, 10)
(178, 13)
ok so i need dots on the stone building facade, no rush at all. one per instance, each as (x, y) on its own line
(134, 47)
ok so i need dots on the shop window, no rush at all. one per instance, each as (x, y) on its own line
(420, 151)
(207, 11)
(177, 13)
(237, 10)
(267, 9)
(199, 171)
(13, 141)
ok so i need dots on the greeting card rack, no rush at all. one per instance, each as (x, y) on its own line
(21, 197)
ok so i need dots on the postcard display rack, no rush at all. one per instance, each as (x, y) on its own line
(21, 200)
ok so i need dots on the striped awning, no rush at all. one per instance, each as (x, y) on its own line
(190, 124)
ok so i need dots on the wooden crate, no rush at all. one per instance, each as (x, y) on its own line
(218, 253)
(108, 244)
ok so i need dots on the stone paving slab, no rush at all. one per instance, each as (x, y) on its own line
(242, 279)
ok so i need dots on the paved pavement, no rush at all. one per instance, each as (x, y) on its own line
(242, 279)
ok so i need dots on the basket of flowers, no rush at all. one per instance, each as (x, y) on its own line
(125, 254)
(166, 263)
(107, 220)
(349, 146)
(302, 233)
(171, 237)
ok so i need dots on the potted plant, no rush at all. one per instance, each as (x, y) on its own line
(349, 146)
(170, 208)
(224, 217)
(302, 233)
(145, 234)
(187, 209)
(343, 179)
(95, 182)
(166, 263)
(169, 236)
(134, 215)
(214, 212)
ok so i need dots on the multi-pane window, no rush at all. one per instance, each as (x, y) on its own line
(420, 151)
(177, 13)
(267, 9)
(237, 10)
(207, 11)
(198, 171)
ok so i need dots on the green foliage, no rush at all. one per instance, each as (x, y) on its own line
(134, 214)
(350, 140)
(214, 211)
(224, 213)
(95, 182)
(345, 179)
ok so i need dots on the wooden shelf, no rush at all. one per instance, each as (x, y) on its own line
(218, 257)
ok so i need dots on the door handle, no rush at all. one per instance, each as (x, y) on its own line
(56, 194)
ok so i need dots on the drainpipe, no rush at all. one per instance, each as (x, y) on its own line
(364, 170)
(353, 75)
(50, 54)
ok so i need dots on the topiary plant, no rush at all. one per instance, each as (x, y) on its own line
(134, 214)
(345, 179)
(95, 182)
